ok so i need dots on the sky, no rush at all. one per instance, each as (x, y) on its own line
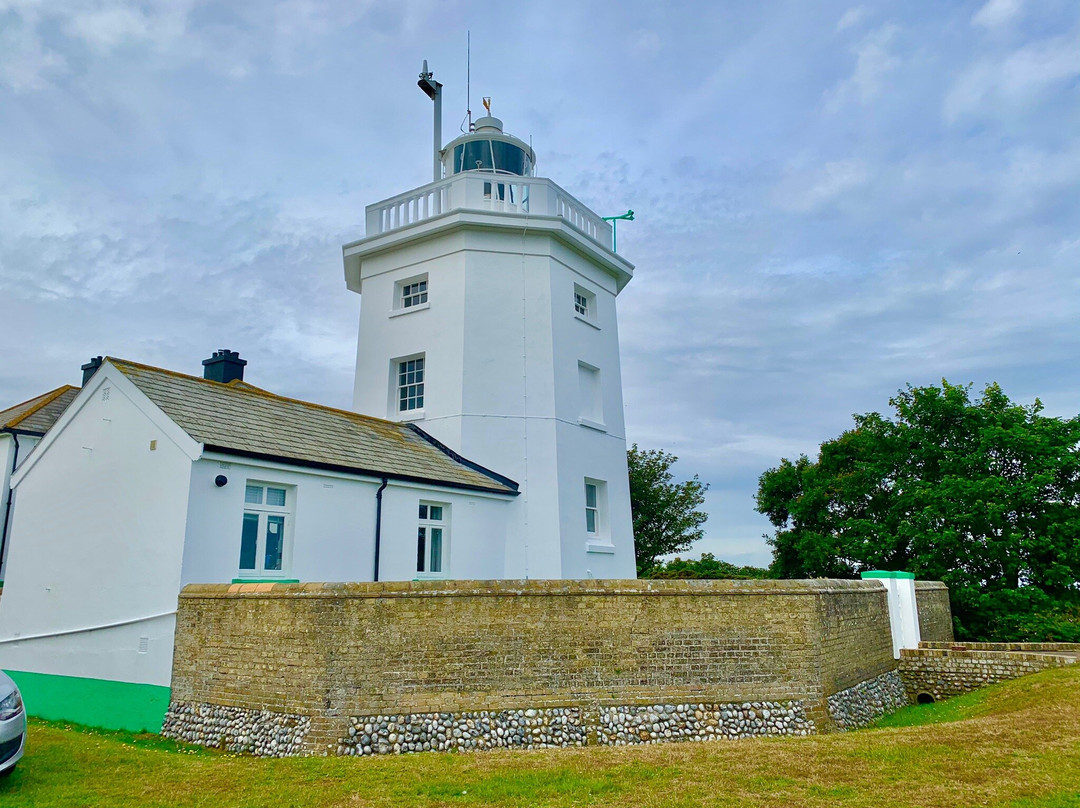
(832, 200)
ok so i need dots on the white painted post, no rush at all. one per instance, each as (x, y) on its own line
(903, 610)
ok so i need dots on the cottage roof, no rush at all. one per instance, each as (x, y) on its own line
(36, 416)
(239, 418)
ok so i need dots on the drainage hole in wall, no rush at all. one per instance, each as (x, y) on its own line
(924, 698)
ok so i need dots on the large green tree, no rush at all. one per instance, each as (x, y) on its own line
(666, 515)
(981, 493)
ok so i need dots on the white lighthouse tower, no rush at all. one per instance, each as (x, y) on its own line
(488, 319)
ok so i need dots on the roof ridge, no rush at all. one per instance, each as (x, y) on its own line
(45, 400)
(248, 387)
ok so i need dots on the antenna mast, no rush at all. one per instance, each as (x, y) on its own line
(433, 90)
(468, 77)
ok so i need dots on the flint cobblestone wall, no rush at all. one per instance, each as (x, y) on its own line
(428, 656)
(935, 613)
(942, 671)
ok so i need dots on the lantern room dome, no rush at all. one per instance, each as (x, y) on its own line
(488, 148)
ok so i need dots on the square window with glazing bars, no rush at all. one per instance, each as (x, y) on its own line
(581, 304)
(413, 294)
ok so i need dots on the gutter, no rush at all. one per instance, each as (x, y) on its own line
(378, 524)
(409, 478)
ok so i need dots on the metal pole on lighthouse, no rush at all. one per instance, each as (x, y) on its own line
(433, 89)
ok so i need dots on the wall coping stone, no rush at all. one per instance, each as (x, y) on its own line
(534, 588)
(1071, 647)
(983, 654)
(930, 585)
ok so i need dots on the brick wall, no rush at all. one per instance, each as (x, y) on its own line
(935, 614)
(943, 670)
(331, 651)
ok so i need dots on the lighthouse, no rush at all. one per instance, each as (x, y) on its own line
(488, 319)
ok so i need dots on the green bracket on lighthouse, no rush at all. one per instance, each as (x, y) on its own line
(628, 216)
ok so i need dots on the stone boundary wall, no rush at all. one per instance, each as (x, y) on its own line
(866, 702)
(935, 613)
(941, 672)
(521, 663)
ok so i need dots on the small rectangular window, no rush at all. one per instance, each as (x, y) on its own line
(413, 294)
(410, 384)
(592, 510)
(597, 527)
(584, 304)
(431, 539)
(410, 294)
(581, 304)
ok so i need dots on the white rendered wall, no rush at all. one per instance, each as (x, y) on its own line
(331, 532)
(7, 459)
(502, 348)
(97, 540)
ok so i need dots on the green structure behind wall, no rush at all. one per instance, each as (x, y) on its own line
(93, 702)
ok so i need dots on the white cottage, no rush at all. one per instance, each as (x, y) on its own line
(152, 479)
(21, 429)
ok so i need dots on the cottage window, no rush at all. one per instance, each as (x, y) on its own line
(431, 536)
(265, 528)
(410, 384)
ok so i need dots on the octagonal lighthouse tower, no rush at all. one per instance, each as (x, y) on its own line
(488, 320)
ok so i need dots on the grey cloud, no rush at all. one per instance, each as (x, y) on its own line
(831, 201)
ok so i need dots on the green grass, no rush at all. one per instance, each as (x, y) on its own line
(1015, 745)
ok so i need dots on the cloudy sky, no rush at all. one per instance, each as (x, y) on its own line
(833, 199)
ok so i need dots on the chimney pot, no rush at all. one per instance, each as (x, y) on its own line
(90, 368)
(224, 366)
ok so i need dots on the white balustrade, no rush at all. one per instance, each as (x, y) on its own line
(482, 191)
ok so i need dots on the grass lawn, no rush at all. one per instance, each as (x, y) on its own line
(1015, 745)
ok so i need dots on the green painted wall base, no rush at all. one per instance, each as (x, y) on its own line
(93, 702)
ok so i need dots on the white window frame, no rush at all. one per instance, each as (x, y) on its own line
(396, 386)
(597, 540)
(264, 512)
(408, 299)
(425, 527)
(585, 299)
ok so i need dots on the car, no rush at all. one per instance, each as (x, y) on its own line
(12, 725)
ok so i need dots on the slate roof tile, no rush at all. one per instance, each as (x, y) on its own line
(39, 413)
(243, 418)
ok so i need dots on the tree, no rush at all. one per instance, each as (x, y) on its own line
(666, 519)
(983, 494)
(708, 566)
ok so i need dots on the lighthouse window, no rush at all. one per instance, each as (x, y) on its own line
(410, 384)
(595, 496)
(413, 294)
(584, 304)
(581, 304)
(410, 294)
